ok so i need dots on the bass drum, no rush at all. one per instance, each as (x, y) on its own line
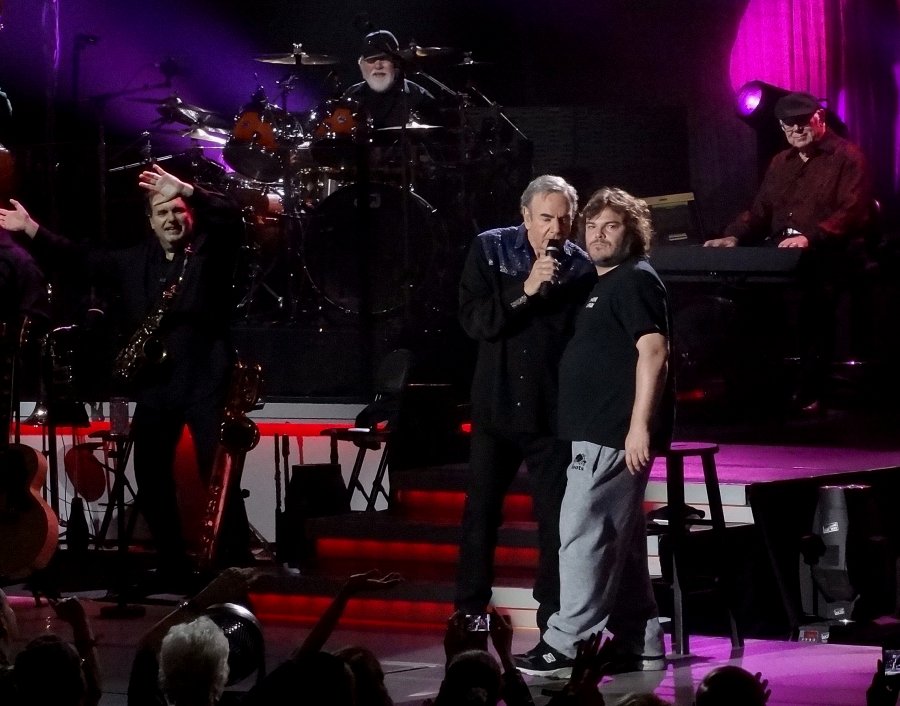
(355, 253)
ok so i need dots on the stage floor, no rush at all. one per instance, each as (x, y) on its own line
(798, 674)
(744, 464)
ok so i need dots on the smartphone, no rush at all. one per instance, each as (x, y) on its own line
(481, 622)
(890, 660)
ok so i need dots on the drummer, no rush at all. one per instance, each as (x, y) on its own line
(380, 93)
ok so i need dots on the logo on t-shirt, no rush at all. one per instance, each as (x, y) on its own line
(578, 462)
(591, 302)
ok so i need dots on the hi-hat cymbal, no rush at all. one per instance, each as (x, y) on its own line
(298, 57)
(411, 125)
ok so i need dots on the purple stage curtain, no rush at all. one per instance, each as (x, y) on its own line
(782, 42)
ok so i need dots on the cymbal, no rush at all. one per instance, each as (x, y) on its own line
(470, 62)
(298, 57)
(412, 125)
(174, 110)
(198, 133)
(429, 52)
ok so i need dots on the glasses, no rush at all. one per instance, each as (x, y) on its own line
(798, 125)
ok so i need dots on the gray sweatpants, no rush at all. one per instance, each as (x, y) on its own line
(604, 580)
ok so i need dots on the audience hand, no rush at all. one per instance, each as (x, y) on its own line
(883, 690)
(230, 586)
(458, 639)
(763, 686)
(502, 638)
(370, 581)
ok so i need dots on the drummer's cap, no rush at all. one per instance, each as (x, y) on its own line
(794, 106)
(379, 43)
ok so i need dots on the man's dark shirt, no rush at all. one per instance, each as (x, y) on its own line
(23, 288)
(387, 109)
(597, 373)
(520, 338)
(196, 330)
(828, 196)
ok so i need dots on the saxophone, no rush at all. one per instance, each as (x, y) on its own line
(145, 349)
(238, 434)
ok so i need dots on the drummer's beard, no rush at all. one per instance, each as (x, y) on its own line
(380, 84)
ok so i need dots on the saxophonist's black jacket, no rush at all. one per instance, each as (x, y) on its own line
(195, 331)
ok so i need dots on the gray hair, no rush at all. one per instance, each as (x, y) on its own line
(549, 184)
(193, 663)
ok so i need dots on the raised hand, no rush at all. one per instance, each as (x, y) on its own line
(370, 581)
(17, 219)
(157, 180)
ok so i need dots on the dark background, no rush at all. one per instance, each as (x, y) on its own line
(617, 92)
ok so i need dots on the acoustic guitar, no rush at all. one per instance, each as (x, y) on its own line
(28, 527)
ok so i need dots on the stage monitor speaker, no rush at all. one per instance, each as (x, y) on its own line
(676, 219)
(844, 556)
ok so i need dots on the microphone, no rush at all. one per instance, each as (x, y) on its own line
(553, 249)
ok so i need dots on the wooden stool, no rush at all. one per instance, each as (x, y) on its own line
(677, 529)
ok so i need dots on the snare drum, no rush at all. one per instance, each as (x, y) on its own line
(336, 129)
(260, 142)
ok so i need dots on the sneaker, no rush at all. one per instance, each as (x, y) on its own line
(533, 652)
(544, 661)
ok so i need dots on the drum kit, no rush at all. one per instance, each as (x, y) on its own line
(353, 216)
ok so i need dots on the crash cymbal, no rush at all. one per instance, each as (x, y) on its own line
(298, 57)
(174, 110)
(197, 133)
(411, 125)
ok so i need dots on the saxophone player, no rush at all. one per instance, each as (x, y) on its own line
(176, 288)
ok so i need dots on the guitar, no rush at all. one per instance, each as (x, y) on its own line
(29, 529)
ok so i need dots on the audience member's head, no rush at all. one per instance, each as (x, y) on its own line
(48, 672)
(193, 663)
(368, 676)
(323, 680)
(473, 677)
(730, 685)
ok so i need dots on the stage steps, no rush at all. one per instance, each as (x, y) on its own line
(419, 538)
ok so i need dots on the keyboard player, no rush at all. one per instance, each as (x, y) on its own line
(817, 194)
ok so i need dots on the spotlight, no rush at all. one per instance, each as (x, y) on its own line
(756, 101)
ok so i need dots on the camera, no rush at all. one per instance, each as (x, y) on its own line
(890, 660)
(481, 622)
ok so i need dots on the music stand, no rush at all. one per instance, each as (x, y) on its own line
(117, 448)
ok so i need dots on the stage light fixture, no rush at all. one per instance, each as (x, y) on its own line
(756, 101)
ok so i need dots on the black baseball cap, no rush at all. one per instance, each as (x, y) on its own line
(379, 43)
(795, 106)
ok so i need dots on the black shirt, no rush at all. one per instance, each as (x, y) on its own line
(387, 109)
(520, 339)
(598, 369)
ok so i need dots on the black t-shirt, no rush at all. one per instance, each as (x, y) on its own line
(597, 370)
